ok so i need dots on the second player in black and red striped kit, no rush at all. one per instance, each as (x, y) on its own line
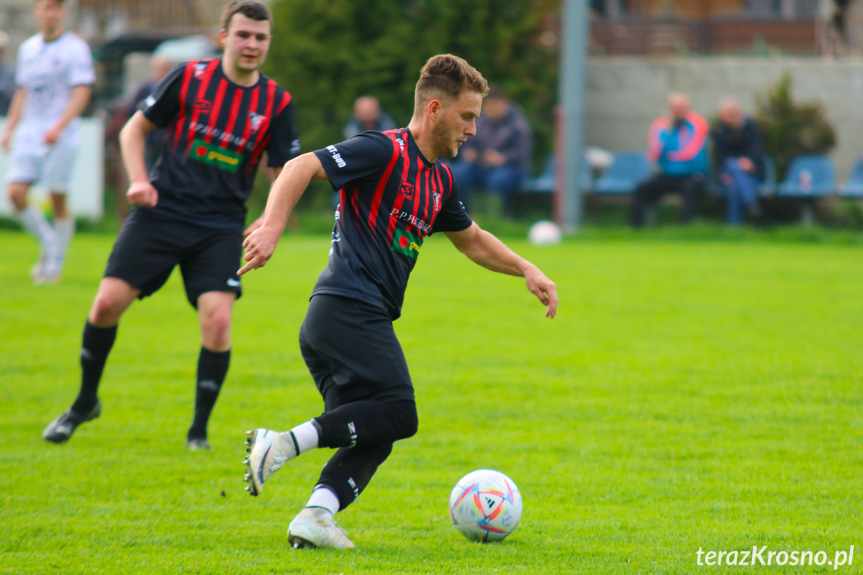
(393, 194)
(223, 116)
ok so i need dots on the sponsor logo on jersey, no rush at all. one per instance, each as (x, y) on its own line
(407, 189)
(404, 242)
(337, 157)
(411, 219)
(200, 68)
(213, 155)
(255, 120)
(149, 101)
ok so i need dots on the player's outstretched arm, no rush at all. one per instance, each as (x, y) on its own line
(284, 194)
(491, 253)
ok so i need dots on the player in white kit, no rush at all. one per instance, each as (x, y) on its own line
(54, 76)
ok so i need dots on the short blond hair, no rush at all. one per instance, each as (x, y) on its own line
(444, 77)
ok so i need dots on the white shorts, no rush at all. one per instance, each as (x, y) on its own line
(48, 166)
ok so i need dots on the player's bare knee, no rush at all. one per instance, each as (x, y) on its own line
(106, 309)
(17, 194)
(216, 326)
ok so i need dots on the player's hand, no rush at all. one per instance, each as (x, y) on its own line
(493, 158)
(544, 289)
(142, 194)
(259, 247)
(51, 135)
(254, 225)
(746, 164)
(6, 141)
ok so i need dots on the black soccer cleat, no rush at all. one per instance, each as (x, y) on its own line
(62, 428)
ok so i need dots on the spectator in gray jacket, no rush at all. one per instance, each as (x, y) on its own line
(368, 116)
(7, 76)
(497, 159)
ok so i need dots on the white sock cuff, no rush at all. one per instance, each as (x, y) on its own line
(306, 436)
(322, 496)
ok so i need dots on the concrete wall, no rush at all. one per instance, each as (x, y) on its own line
(626, 94)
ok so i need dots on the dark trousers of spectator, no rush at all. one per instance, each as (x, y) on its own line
(690, 187)
(741, 193)
(504, 180)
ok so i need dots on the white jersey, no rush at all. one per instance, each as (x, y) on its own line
(48, 71)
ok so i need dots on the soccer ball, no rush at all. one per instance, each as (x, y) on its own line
(485, 505)
(544, 233)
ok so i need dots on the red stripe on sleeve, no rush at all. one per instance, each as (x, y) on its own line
(286, 99)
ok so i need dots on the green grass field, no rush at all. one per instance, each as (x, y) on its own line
(691, 394)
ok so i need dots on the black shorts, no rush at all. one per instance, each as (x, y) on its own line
(352, 352)
(149, 246)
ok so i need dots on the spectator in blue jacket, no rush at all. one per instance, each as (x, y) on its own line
(677, 142)
(497, 159)
(738, 152)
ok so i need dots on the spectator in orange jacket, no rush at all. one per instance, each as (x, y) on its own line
(677, 142)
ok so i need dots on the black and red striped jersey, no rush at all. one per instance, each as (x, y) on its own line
(390, 199)
(217, 133)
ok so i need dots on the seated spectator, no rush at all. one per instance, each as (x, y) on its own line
(368, 116)
(738, 152)
(7, 76)
(678, 144)
(497, 159)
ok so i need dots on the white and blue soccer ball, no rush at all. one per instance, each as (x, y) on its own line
(485, 505)
(544, 233)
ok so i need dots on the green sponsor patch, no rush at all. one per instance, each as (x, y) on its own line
(215, 156)
(406, 243)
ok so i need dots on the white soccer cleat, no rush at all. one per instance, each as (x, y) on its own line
(267, 453)
(315, 527)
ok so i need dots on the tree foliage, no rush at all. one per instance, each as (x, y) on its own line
(328, 52)
(791, 128)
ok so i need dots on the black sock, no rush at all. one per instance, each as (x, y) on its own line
(350, 470)
(212, 369)
(95, 347)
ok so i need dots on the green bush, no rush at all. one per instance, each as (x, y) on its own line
(791, 128)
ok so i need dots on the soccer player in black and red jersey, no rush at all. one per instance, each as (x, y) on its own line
(222, 117)
(393, 194)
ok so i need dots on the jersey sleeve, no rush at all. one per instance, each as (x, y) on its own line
(453, 216)
(364, 156)
(163, 104)
(81, 72)
(284, 142)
